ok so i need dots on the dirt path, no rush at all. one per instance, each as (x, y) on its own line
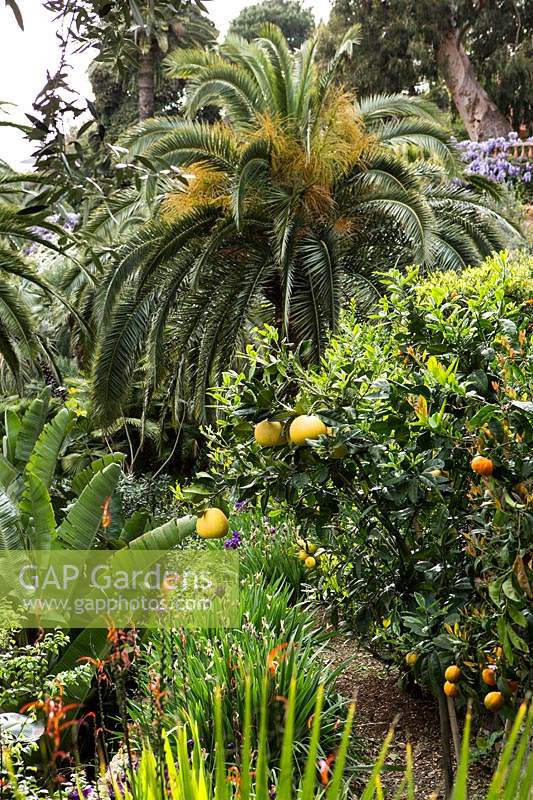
(379, 702)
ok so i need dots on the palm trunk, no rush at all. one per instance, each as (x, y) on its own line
(480, 115)
(146, 80)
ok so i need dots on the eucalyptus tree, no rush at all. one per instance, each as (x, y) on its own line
(295, 200)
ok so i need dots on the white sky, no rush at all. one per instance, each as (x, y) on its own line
(26, 56)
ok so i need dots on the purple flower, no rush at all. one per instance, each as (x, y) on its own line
(496, 159)
(234, 542)
(87, 791)
(240, 504)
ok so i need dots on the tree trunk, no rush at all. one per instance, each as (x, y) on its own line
(146, 79)
(481, 117)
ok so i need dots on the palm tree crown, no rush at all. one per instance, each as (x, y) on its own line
(296, 198)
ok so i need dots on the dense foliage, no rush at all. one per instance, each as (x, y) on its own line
(419, 554)
(227, 290)
(495, 36)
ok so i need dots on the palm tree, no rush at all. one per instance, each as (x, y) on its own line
(25, 226)
(298, 198)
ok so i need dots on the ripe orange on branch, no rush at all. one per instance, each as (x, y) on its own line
(488, 676)
(451, 689)
(269, 433)
(482, 466)
(494, 701)
(452, 674)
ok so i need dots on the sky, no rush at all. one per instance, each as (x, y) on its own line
(26, 56)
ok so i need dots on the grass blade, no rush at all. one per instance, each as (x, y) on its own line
(335, 787)
(308, 785)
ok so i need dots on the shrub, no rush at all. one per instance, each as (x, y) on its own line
(421, 553)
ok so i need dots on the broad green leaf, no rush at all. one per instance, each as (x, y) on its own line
(516, 615)
(31, 426)
(133, 527)
(80, 527)
(12, 424)
(43, 459)
(8, 473)
(36, 503)
(10, 534)
(82, 478)
(509, 590)
(165, 536)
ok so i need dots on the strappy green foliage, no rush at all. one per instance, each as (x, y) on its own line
(294, 201)
(178, 774)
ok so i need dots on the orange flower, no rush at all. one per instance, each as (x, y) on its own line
(106, 514)
(324, 765)
(273, 661)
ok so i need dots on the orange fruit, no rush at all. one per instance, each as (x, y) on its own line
(213, 524)
(451, 689)
(482, 466)
(488, 676)
(306, 427)
(494, 701)
(452, 674)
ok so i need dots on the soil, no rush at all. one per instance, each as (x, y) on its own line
(380, 702)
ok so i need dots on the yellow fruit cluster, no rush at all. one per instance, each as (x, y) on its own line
(270, 433)
(451, 679)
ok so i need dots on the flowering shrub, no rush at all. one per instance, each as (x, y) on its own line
(493, 159)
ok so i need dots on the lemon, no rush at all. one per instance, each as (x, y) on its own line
(310, 562)
(411, 659)
(306, 427)
(213, 524)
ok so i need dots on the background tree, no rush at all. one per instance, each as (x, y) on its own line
(132, 36)
(296, 22)
(116, 93)
(480, 52)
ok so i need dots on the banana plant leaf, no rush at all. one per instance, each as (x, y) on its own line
(165, 536)
(31, 426)
(80, 527)
(37, 506)
(43, 459)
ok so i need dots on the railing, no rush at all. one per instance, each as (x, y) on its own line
(519, 150)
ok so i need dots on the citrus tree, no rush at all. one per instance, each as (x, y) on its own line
(405, 458)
